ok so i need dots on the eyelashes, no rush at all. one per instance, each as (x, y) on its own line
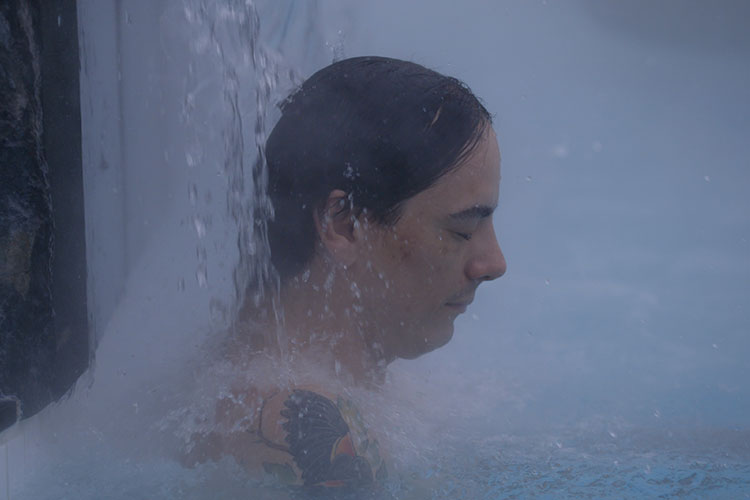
(463, 236)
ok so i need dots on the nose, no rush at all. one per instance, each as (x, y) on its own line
(488, 263)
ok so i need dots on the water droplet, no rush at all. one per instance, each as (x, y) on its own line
(59, 21)
(714, 346)
(218, 310)
(528, 178)
(200, 226)
(192, 194)
(181, 284)
(560, 151)
(707, 178)
(201, 276)
(657, 413)
(349, 172)
(546, 282)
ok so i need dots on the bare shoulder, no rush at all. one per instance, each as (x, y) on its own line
(305, 436)
(324, 436)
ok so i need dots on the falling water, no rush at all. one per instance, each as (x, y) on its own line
(457, 417)
(229, 32)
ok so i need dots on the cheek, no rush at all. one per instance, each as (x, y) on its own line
(424, 267)
(412, 267)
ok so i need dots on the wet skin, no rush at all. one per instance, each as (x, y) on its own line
(417, 276)
(371, 294)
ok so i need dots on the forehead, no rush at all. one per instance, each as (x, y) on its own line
(476, 181)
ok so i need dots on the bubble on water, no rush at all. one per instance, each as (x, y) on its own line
(181, 285)
(707, 178)
(528, 178)
(546, 282)
(714, 346)
(612, 435)
(596, 147)
(657, 413)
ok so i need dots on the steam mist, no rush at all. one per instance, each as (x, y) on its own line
(617, 340)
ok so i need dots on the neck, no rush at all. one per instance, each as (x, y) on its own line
(321, 322)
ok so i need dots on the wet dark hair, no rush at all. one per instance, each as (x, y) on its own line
(379, 129)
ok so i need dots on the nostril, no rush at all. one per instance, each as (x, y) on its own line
(497, 266)
(488, 267)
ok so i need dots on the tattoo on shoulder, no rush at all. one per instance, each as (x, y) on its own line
(328, 441)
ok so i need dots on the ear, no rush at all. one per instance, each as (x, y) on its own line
(335, 224)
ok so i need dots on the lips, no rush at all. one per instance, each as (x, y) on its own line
(458, 306)
(462, 301)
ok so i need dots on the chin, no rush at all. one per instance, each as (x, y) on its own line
(436, 338)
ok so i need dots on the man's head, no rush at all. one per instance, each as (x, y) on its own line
(390, 171)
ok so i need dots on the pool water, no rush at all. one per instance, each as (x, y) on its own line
(586, 464)
(573, 463)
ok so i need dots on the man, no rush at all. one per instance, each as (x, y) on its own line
(383, 176)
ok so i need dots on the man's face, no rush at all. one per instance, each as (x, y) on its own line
(419, 274)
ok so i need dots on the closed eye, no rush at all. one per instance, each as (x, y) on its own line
(465, 236)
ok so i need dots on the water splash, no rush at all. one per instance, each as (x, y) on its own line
(228, 33)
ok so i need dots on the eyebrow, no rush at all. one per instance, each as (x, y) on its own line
(475, 212)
